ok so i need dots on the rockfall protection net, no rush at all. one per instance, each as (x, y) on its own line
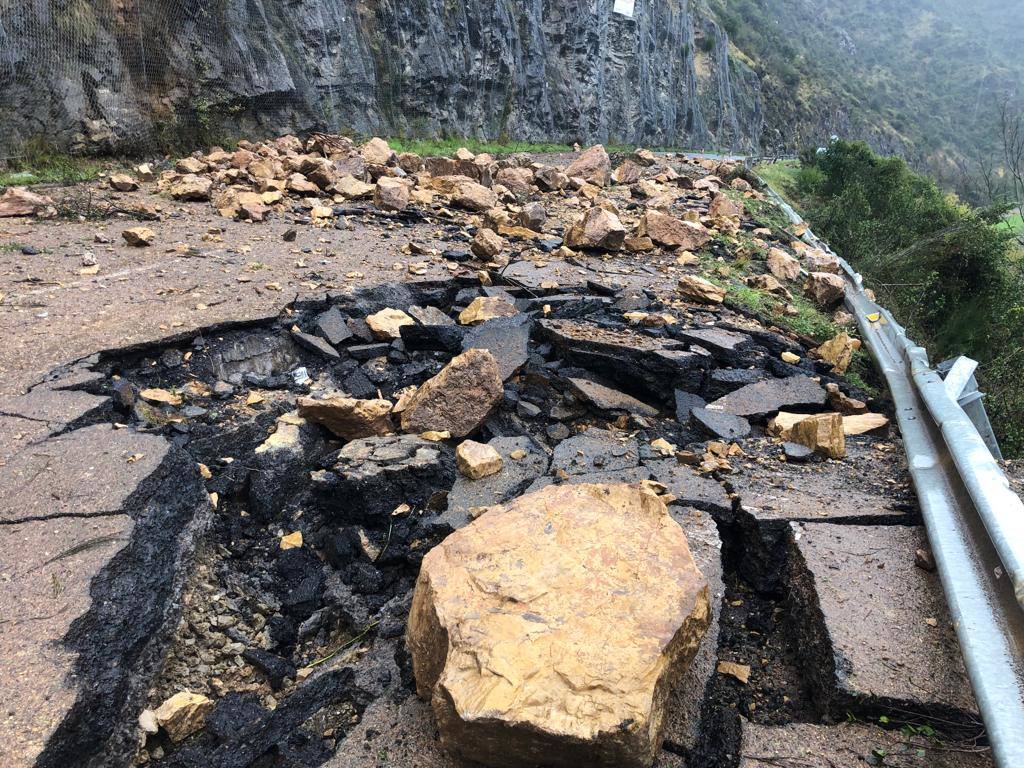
(171, 75)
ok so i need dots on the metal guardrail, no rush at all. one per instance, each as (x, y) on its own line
(974, 522)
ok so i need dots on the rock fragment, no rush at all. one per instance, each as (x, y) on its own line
(347, 417)
(391, 194)
(459, 398)
(386, 325)
(593, 166)
(506, 590)
(484, 308)
(476, 460)
(701, 290)
(825, 289)
(138, 237)
(671, 232)
(782, 265)
(487, 244)
(823, 434)
(18, 201)
(597, 229)
(183, 714)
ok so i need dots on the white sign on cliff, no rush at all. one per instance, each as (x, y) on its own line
(625, 7)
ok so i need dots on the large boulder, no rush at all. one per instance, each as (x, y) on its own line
(347, 417)
(459, 398)
(825, 289)
(671, 232)
(598, 229)
(551, 629)
(593, 166)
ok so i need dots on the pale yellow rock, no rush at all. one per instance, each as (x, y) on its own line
(597, 229)
(556, 625)
(391, 194)
(351, 188)
(476, 460)
(377, 152)
(701, 290)
(782, 265)
(593, 166)
(475, 381)
(192, 187)
(435, 436)
(347, 417)
(822, 433)
(487, 244)
(664, 447)
(161, 396)
(385, 324)
(138, 236)
(824, 288)
(122, 182)
(484, 308)
(789, 357)
(740, 671)
(843, 403)
(863, 423)
(838, 351)
(292, 540)
(183, 714)
(672, 232)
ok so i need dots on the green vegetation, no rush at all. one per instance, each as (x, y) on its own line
(447, 147)
(946, 270)
(41, 164)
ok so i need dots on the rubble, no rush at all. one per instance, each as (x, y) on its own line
(597, 229)
(701, 290)
(484, 308)
(347, 417)
(138, 236)
(477, 460)
(825, 288)
(593, 166)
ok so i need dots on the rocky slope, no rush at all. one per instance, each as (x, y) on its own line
(102, 74)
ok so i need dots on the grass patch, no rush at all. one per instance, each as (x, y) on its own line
(447, 147)
(782, 177)
(41, 164)
(443, 147)
(808, 321)
(1015, 223)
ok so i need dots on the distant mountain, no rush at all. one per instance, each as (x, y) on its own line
(920, 78)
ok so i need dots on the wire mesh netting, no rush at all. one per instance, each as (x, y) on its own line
(124, 75)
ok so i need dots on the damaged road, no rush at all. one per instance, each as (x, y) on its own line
(213, 540)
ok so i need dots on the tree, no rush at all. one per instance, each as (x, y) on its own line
(1011, 124)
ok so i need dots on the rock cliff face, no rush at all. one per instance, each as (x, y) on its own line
(95, 75)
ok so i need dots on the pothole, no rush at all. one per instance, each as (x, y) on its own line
(293, 617)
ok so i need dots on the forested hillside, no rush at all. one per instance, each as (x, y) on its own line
(921, 78)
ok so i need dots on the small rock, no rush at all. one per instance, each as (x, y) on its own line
(841, 402)
(700, 290)
(597, 229)
(533, 216)
(487, 244)
(825, 289)
(122, 182)
(289, 235)
(838, 351)
(796, 452)
(593, 166)
(789, 357)
(191, 187)
(484, 308)
(377, 152)
(924, 560)
(291, 540)
(822, 433)
(782, 265)
(671, 232)
(386, 325)
(477, 460)
(183, 714)
(347, 417)
(391, 194)
(138, 237)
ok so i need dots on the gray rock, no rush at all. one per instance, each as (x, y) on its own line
(690, 488)
(315, 344)
(720, 424)
(797, 452)
(332, 326)
(506, 338)
(766, 397)
(262, 354)
(728, 347)
(685, 403)
(604, 398)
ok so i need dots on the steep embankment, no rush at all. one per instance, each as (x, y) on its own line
(93, 75)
